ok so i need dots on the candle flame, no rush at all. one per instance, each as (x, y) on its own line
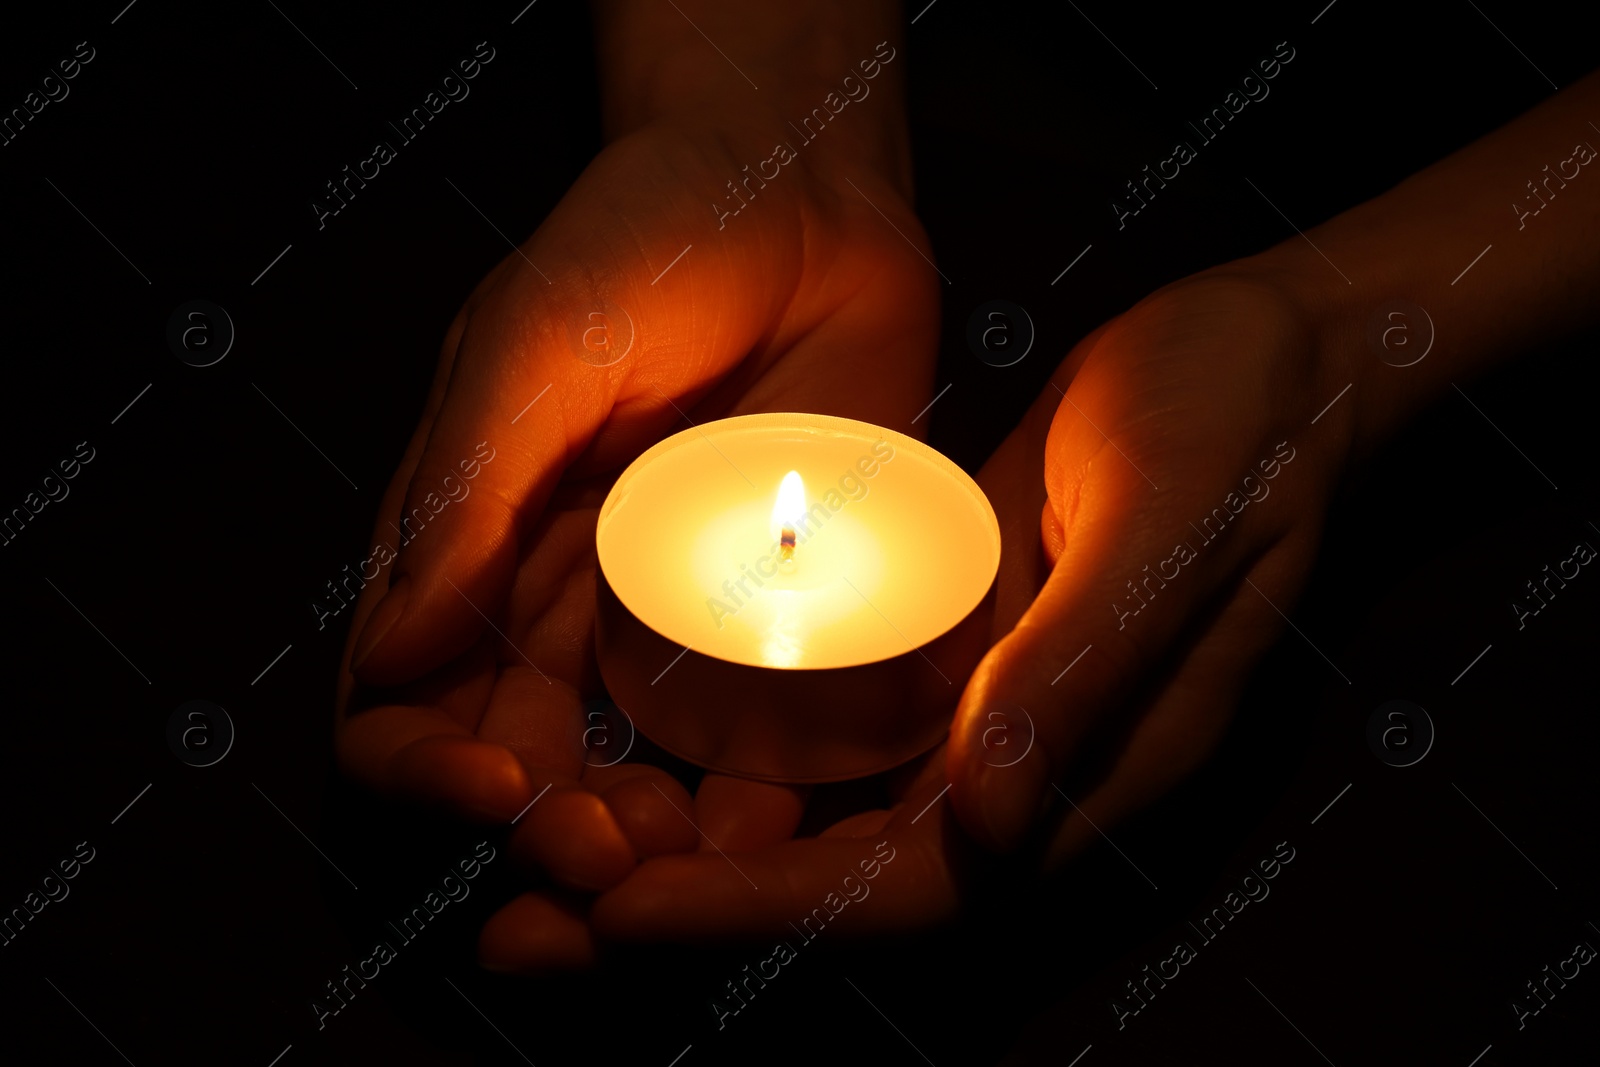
(788, 511)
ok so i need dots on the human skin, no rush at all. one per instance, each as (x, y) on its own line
(1189, 390)
(818, 296)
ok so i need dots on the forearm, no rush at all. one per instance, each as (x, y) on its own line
(1538, 281)
(757, 71)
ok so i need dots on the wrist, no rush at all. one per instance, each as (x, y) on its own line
(820, 82)
(1360, 355)
(1447, 274)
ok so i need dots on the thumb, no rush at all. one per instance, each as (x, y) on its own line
(1115, 602)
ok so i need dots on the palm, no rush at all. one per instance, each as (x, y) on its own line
(807, 301)
(1187, 392)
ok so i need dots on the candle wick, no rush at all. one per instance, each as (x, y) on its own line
(786, 543)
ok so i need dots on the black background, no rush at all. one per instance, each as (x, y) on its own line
(195, 141)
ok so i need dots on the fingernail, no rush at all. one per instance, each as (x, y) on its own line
(1009, 799)
(381, 621)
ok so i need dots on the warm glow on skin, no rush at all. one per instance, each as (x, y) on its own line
(750, 319)
(1172, 402)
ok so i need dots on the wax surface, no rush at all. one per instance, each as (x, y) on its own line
(900, 545)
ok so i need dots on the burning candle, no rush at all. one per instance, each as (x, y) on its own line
(792, 597)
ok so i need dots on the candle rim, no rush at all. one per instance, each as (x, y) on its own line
(814, 424)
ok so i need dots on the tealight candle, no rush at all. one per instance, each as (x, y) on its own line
(792, 597)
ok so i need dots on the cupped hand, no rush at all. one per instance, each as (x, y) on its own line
(634, 311)
(1161, 504)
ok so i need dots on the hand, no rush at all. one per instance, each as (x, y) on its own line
(475, 652)
(1206, 390)
(1197, 387)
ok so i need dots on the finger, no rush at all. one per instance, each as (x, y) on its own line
(421, 754)
(536, 709)
(372, 728)
(374, 588)
(649, 807)
(1182, 725)
(422, 743)
(553, 598)
(1110, 608)
(537, 933)
(497, 692)
(571, 835)
(736, 814)
(909, 878)
(1013, 480)
(537, 719)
